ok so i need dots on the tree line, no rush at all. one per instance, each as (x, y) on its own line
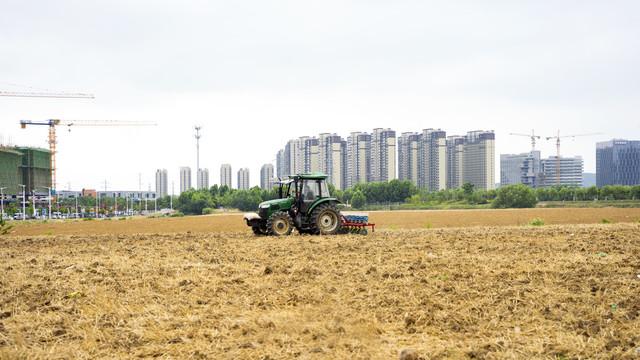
(394, 192)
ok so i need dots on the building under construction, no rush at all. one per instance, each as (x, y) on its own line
(27, 166)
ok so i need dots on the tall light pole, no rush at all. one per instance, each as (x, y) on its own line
(24, 198)
(198, 184)
(2, 200)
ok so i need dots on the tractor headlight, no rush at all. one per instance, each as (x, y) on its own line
(264, 206)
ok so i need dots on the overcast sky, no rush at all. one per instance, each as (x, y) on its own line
(255, 74)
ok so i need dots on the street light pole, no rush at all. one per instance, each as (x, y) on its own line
(49, 197)
(2, 199)
(24, 197)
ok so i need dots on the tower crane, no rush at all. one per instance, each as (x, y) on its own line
(46, 93)
(533, 138)
(52, 123)
(558, 137)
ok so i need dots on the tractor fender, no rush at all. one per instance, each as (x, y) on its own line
(252, 218)
(322, 201)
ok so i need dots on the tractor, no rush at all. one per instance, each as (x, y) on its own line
(303, 203)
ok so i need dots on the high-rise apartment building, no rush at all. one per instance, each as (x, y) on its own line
(455, 161)
(185, 178)
(266, 177)
(618, 162)
(226, 177)
(571, 170)
(432, 156)
(520, 169)
(162, 183)
(331, 155)
(280, 165)
(308, 159)
(408, 143)
(203, 178)
(479, 159)
(243, 179)
(358, 158)
(383, 155)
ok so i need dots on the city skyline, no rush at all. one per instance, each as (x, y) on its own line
(257, 74)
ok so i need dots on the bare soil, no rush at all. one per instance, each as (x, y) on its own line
(500, 290)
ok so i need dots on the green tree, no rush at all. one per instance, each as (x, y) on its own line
(467, 188)
(606, 192)
(541, 194)
(591, 193)
(514, 196)
(621, 192)
(358, 200)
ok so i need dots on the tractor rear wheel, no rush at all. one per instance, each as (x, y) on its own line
(280, 224)
(325, 220)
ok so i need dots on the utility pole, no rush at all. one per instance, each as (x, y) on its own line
(198, 184)
(2, 199)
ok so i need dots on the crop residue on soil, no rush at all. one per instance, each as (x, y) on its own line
(568, 291)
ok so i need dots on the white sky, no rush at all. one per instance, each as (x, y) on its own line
(258, 73)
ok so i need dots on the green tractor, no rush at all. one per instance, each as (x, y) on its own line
(304, 203)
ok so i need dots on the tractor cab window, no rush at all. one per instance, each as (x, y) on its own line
(324, 189)
(310, 190)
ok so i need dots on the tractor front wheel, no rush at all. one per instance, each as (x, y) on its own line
(260, 229)
(325, 220)
(280, 224)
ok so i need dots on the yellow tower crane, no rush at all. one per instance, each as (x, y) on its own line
(52, 123)
(558, 137)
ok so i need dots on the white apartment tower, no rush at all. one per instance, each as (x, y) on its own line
(383, 155)
(203, 179)
(331, 157)
(432, 160)
(280, 165)
(266, 177)
(162, 183)
(408, 156)
(185, 178)
(308, 154)
(226, 177)
(479, 156)
(455, 160)
(243, 179)
(358, 158)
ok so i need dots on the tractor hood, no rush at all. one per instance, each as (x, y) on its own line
(266, 208)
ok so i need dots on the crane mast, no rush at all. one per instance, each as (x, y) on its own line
(558, 137)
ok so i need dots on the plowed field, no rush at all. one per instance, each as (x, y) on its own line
(203, 287)
(396, 220)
